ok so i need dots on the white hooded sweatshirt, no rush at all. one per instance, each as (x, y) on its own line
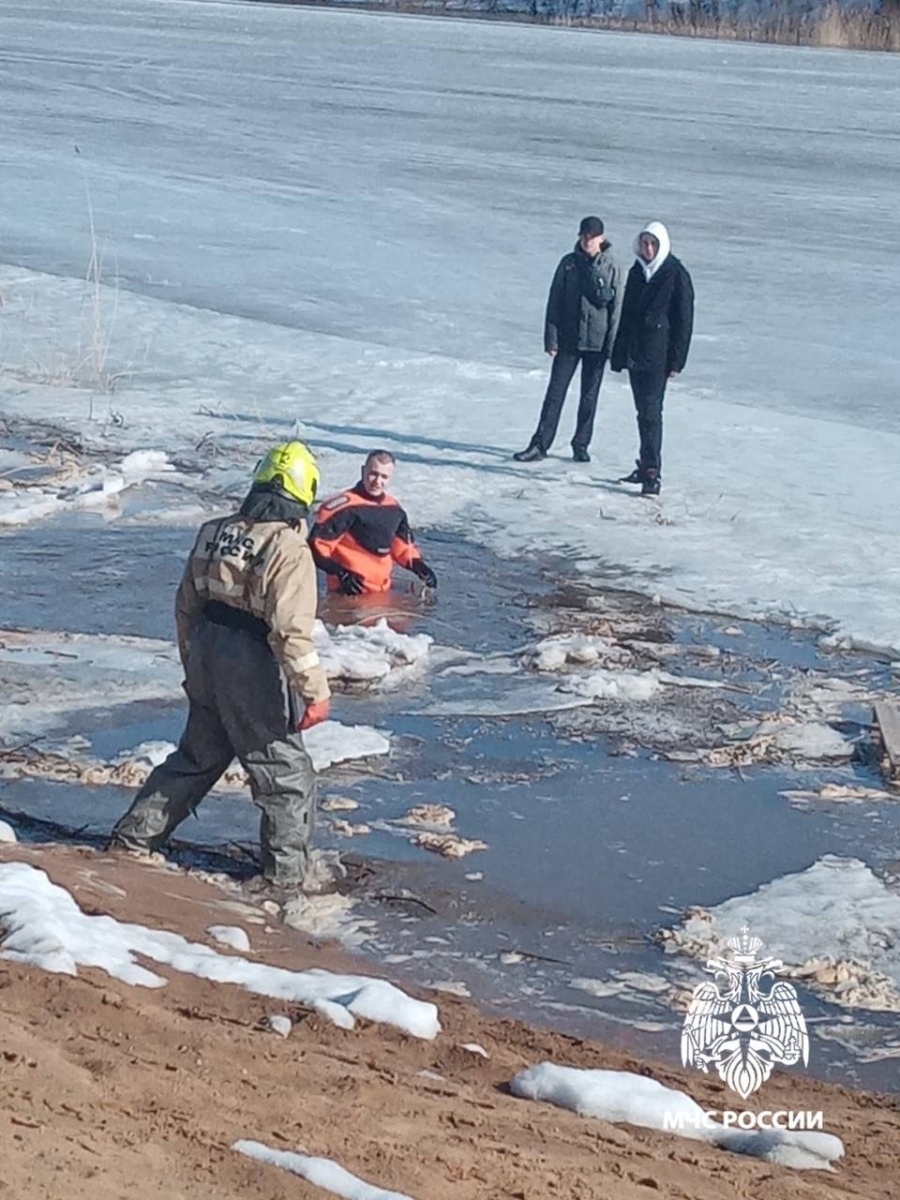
(657, 230)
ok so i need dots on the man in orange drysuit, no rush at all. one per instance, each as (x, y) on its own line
(359, 534)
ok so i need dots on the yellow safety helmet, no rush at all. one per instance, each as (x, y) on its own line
(292, 468)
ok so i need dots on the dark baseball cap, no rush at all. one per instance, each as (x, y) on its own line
(590, 227)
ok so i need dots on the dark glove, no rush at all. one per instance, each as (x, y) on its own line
(425, 573)
(351, 583)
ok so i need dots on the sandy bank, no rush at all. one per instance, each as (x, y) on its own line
(108, 1090)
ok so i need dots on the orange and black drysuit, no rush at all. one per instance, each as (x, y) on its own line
(357, 538)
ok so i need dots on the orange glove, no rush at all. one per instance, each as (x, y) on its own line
(315, 714)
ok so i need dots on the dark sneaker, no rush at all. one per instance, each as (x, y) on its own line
(580, 455)
(636, 476)
(651, 485)
(532, 454)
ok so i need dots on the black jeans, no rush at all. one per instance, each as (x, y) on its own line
(649, 389)
(565, 363)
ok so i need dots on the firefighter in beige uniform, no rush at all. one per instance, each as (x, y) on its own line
(244, 612)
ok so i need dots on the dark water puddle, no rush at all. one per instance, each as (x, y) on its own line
(589, 851)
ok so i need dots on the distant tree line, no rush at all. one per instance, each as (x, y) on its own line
(851, 24)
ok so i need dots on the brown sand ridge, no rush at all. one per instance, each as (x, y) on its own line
(110, 1091)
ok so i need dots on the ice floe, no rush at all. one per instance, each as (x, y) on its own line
(835, 926)
(562, 650)
(51, 675)
(448, 845)
(776, 740)
(327, 744)
(77, 487)
(627, 686)
(623, 983)
(837, 793)
(44, 927)
(428, 816)
(360, 656)
(338, 804)
(342, 828)
(331, 742)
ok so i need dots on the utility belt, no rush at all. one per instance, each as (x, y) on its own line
(218, 613)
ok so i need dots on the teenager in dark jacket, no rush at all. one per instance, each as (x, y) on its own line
(580, 327)
(653, 341)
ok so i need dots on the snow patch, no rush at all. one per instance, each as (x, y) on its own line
(7, 834)
(627, 686)
(45, 928)
(230, 935)
(145, 464)
(335, 1013)
(322, 1172)
(623, 1097)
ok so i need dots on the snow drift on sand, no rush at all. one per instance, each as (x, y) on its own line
(45, 928)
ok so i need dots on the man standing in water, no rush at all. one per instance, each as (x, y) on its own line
(360, 534)
(653, 342)
(244, 613)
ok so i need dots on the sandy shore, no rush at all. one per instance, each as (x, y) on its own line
(108, 1090)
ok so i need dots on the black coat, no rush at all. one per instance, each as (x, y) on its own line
(584, 303)
(657, 320)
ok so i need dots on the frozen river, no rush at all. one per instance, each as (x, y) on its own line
(411, 182)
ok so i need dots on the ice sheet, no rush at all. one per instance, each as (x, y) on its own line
(783, 434)
(57, 674)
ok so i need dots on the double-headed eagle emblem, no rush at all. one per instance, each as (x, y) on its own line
(746, 1021)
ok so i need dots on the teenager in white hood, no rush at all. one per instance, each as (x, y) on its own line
(652, 342)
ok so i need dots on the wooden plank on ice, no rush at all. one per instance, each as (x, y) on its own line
(887, 718)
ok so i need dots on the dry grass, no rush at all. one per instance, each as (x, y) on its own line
(62, 350)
